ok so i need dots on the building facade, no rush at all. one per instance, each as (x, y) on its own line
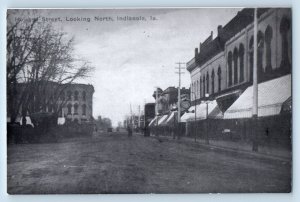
(70, 102)
(223, 66)
(78, 102)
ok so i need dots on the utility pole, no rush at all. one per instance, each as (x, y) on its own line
(179, 68)
(139, 122)
(156, 105)
(255, 86)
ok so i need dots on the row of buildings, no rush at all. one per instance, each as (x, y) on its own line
(222, 71)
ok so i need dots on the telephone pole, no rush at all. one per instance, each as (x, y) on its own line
(179, 68)
(255, 87)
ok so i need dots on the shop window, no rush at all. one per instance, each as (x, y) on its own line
(229, 60)
(235, 65)
(241, 59)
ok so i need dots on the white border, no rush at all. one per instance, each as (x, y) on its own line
(76, 4)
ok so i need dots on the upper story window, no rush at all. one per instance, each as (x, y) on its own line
(268, 39)
(207, 82)
(241, 59)
(83, 109)
(69, 94)
(69, 106)
(76, 108)
(76, 95)
(84, 96)
(213, 81)
(235, 65)
(219, 78)
(285, 25)
(229, 61)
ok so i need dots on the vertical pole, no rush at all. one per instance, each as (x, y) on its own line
(156, 107)
(207, 141)
(139, 122)
(195, 117)
(179, 84)
(255, 86)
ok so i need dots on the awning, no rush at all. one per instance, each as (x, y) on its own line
(162, 119)
(271, 95)
(154, 121)
(201, 111)
(171, 119)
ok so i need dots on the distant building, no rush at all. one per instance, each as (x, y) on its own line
(71, 102)
(78, 100)
(168, 99)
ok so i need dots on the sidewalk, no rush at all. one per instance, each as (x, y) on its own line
(238, 147)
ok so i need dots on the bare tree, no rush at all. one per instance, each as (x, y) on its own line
(41, 62)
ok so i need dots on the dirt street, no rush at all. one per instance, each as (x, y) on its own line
(114, 163)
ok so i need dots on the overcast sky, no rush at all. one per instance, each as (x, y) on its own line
(132, 57)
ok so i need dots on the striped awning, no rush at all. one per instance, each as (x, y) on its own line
(271, 95)
(210, 108)
(163, 119)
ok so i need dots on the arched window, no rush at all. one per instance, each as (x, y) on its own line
(201, 90)
(204, 89)
(76, 109)
(83, 95)
(268, 39)
(251, 60)
(76, 95)
(241, 57)
(62, 96)
(260, 52)
(229, 60)
(219, 78)
(197, 88)
(83, 109)
(235, 65)
(285, 25)
(69, 109)
(213, 81)
(69, 95)
(207, 82)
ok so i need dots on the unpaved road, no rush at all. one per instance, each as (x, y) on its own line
(114, 163)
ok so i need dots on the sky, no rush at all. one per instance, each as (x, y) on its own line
(132, 58)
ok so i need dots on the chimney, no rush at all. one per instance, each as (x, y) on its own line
(211, 34)
(196, 52)
(220, 30)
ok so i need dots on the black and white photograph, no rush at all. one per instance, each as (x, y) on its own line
(149, 100)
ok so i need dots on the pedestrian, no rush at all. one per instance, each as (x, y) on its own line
(129, 131)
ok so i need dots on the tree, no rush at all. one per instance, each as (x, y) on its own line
(39, 59)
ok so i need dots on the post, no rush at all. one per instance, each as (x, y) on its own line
(179, 97)
(207, 101)
(156, 107)
(255, 87)
(195, 133)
